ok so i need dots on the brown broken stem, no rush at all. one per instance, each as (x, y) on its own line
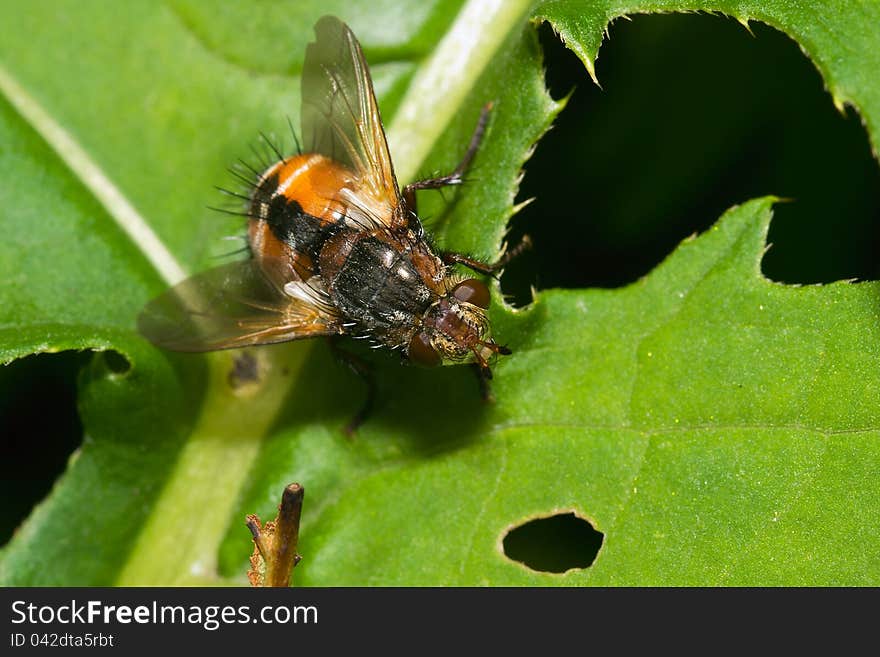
(275, 543)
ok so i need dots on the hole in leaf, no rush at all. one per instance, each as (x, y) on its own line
(554, 544)
(696, 115)
(39, 430)
(115, 362)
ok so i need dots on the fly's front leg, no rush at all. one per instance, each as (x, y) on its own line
(457, 176)
(365, 371)
(490, 269)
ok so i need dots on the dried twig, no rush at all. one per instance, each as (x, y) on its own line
(275, 543)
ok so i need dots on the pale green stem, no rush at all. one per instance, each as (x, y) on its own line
(93, 177)
(178, 543)
(438, 90)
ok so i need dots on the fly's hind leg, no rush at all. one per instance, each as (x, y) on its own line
(365, 371)
(457, 176)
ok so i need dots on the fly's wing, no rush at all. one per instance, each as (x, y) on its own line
(340, 119)
(237, 305)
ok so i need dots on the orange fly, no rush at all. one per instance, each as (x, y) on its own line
(336, 246)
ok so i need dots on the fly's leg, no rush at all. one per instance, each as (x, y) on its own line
(492, 268)
(365, 371)
(457, 176)
(484, 375)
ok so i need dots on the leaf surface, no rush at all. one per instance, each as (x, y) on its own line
(716, 427)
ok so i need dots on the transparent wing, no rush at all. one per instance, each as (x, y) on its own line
(236, 305)
(340, 119)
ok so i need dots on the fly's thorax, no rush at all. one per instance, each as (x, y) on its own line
(376, 284)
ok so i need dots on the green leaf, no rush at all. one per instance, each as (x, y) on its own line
(710, 423)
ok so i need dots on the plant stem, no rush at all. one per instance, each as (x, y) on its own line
(439, 89)
(178, 544)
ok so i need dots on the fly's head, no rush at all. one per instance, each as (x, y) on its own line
(456, 328)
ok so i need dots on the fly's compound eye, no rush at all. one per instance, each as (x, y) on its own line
(421, 352)
(472, 291)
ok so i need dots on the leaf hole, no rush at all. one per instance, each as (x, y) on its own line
(554, 544)
(40, 429)
(115, 363)
(695, 115)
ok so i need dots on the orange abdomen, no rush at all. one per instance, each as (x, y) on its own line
(293, 205)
